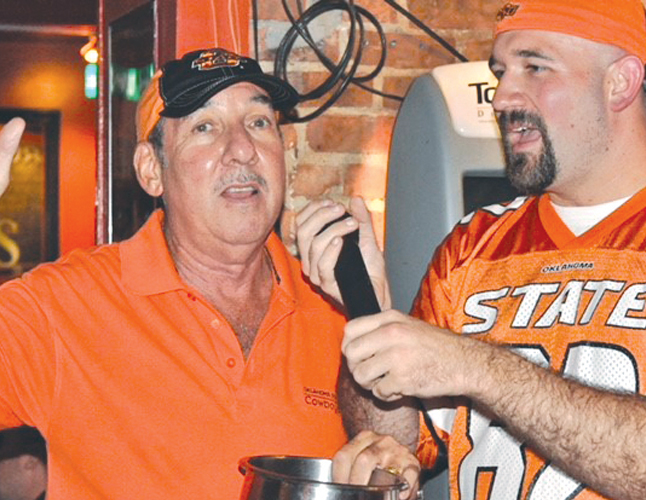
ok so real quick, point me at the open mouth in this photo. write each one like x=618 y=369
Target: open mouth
x=240 y=191
x=520 y=129
x=520 y=135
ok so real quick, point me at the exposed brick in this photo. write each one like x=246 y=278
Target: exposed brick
x=358 y=128
x=353 y=96
x=407 y=51
x=272 y=34
x=396 y=86
x=380 y=9
x=478 y=50
x=315 y=181
x=290 y=138
x=350 y=134
x=270 y=10
x=367 y=180
x=455 y=14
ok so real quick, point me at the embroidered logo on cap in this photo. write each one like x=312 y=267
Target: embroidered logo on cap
x=507 y=10
x=214 y=59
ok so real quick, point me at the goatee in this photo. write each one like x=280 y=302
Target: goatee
x=528 y=173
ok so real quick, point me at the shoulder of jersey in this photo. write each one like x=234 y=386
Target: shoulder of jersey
x=487 y=220
x=491 y=214
x=496 y=211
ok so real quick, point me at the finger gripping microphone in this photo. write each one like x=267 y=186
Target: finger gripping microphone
x=352 y=277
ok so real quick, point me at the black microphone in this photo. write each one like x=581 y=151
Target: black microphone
x=352 y=277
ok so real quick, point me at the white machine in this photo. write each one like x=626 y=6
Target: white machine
x=445 y=161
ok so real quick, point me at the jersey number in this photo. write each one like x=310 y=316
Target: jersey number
x=495 y=468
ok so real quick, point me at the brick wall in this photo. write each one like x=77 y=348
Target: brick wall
x=344 y=152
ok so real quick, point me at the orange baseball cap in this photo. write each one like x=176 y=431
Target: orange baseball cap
x=149 y=107
x=615 y=22
x=183 y=85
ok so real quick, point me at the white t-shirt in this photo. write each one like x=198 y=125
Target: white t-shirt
x=580 y=219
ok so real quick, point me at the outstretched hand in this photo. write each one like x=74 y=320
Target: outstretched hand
x=9 y=141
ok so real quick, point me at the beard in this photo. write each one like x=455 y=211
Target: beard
x=528 y=173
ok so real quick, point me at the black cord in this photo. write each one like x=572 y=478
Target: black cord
x=426 y=30
x=343 y=72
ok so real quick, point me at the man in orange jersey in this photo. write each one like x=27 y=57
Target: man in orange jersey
x=527 y=344
x=154 y=365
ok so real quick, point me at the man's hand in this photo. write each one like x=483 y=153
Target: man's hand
x=9 y=141
x=354 y=463
x=394 y=355
x=319 y=252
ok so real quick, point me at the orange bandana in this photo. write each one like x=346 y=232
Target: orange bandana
x=615 y=22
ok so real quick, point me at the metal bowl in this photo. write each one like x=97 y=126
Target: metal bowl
x=303 y=478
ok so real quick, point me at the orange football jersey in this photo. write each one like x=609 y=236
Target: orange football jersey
x=516 y=274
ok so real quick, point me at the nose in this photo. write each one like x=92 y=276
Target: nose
x=240 y=147
x=509 y=94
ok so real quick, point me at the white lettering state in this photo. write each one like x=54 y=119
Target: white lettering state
x=488 y=314
x=565 y=306
x=599 y=288
x=531 y=296
x=630 y=301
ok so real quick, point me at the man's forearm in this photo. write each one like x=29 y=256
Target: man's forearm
x=596 y=437
x=361 y=411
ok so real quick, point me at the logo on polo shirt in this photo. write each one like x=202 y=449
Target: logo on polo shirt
x=320 y=398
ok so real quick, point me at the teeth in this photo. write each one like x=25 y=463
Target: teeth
x=240 y=189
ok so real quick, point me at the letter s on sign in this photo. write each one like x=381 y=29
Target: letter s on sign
x=11 y=247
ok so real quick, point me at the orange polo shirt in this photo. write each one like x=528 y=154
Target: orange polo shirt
x=140 y=386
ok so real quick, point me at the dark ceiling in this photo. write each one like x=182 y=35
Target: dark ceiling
x=49 y=12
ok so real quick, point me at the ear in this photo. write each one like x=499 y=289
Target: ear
x=148 y=169
x=626 y=79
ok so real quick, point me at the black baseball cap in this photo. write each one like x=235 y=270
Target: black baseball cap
x=187 y=83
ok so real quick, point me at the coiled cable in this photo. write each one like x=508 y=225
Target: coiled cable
x=343 y=72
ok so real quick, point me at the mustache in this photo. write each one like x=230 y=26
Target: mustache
x=240 y=177
x=520 y=116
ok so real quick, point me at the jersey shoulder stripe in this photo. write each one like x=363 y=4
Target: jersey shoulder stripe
x=497 y=210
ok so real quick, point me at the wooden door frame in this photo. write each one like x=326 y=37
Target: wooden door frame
x=165 y=12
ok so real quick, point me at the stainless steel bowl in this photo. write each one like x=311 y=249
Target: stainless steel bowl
x=302 y=478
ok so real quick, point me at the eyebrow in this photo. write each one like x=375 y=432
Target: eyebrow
x=263 y=99
x=533 y=53
x=524 y=53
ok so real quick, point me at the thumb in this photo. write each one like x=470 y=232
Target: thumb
x=371 y=252
x=359 y=210
x=9 y=141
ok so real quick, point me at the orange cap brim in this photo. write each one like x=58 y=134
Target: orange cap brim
x=149 y=108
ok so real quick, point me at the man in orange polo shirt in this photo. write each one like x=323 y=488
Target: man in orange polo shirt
x=528 y=341
x=153 y=365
